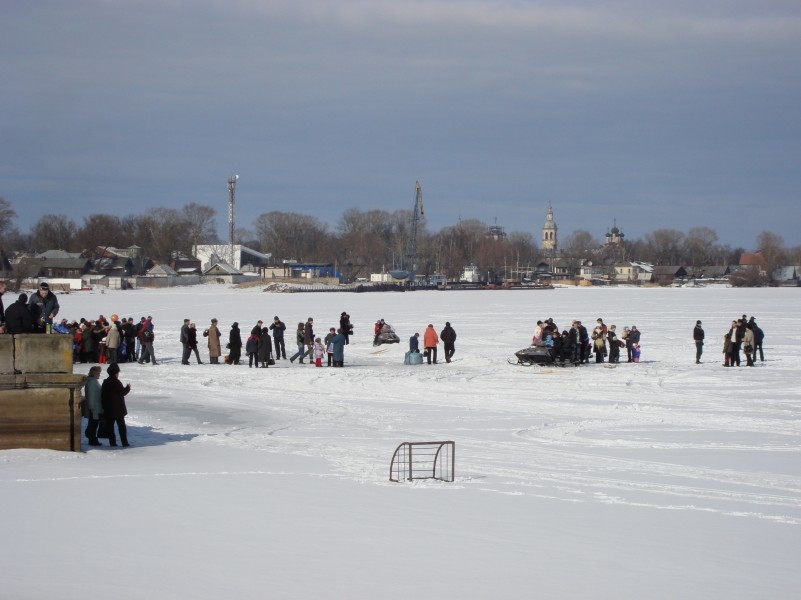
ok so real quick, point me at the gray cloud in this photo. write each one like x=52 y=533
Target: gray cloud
x=659 y=116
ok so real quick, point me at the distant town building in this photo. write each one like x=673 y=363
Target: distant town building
x=470 y=274
x=614 y=237
x=209 y=254
x=496 y=232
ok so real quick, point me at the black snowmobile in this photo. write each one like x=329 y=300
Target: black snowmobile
x=534 y=355
x=387 y=335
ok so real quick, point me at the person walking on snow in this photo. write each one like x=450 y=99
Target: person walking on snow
x=448 y=337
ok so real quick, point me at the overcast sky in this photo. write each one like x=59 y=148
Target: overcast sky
x=658 y=114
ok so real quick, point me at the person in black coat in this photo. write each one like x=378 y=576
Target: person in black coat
x=345 y=326
x=18 y=316
x=759 y=336
x=278 y=327
x=698 y=336
x=574 y=344
x=614 y=346
x=584 y=338
x=265 y=348
x=112 y=395
x=235 y=344
x=191 y=342
x=448 y=337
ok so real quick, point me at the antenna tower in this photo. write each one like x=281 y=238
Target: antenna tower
x=231 y=191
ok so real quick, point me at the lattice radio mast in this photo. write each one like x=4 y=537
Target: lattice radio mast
x=231 y=191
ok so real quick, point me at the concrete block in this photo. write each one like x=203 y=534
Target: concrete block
x=40 y=418
x=6 y=354
x=43 y=353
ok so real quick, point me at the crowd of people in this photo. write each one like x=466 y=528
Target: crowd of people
x=742 y=335
x=119 y=340
x=577 y=345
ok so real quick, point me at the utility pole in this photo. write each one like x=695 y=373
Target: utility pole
x=231 y=191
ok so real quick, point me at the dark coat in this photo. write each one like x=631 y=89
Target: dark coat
x=191 y=337
x=235 y=339
x=265 y=346
x=18 y=318
x=447 y=335
x=278 y=328
x=308 y=333
x=42 y=308
x=112 y=395
x=252 y=345
x=698 y=333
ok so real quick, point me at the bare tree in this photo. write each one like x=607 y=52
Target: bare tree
x=580 y=244
x=368 y=240
x=102 y=231
x=292 y=236
x=7 y=216
x=773 y=251
x=700 y=246
x=160 y=232
x=200 y=224
x=666 y=245
x=55 y=232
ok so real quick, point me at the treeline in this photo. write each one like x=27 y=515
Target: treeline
x=364 y=242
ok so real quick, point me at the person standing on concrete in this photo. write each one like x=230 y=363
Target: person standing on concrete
x=18 y=316
x=94 y=405
x=448 y=337
x=698 y=336
x=44 y=308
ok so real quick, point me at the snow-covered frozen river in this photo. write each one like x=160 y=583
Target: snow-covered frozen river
x=662 y=479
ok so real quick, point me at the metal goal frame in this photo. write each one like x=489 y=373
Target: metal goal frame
x=423 y=460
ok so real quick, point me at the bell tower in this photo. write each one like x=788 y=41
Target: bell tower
x=549 y=230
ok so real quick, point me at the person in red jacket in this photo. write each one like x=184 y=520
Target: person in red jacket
x=430 y=341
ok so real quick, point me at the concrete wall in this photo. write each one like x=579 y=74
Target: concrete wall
x=39 y=395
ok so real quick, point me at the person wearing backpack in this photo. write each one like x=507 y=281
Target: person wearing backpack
x=252 y=349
